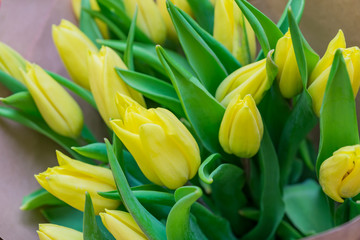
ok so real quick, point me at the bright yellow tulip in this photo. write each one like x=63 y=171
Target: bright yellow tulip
x=163 y=148
x=339 y=175
x=288 y=77
x=57 y=107
x=233 y=30
x=11 y=62
x=73 y=47
x=241 y=129
x=122 y=225
x=251 y=79
x=56 y=232
x=149 y=19
x=72 y=179
x=105 y=83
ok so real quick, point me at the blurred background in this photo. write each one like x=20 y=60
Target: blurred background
x=26 y=26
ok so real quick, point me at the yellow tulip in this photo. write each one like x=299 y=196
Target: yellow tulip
x=76 y=4
x=11 y=62
x=288 y=77
x=72 y=179
x=73 y=47
x=56 y=232
x=233 y=30
x=321 y=72
x=182 y=4
x=241 y=129
x=149 y=19
x=122 y=225
x=57 y=107
x=339 y=175
x=105 y=83
x=251 y=79
x=163 y=148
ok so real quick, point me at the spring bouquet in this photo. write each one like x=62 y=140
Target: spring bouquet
x=207 y=136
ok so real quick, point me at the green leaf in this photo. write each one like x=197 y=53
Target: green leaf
x=271 y=203
x=338 y=109
x=307 y=208
x=87 y=24
x=39 y=198
x=154 y=89
x=64 y=216
x=196 y=102
x=203 y=60
x=297 y=6
x=95 y=151
x=207 y=168
x=148 y=223
x=22 y=101
x=11 y=83
x=128 y=54
x=90 y=228
x=178 y=225
x=265 y=30
x=203 y=12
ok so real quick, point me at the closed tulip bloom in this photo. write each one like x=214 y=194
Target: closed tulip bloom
x=149 y=19
x=11 y=62
x=162 y=146
x=72 y=179
x=57 y=107
x=233 y=30
x=182 y=4
x=288 y=76
x=56 y=232
x=241 y=129
x=73 y=47
x=122 y=225
x=321 y=72
x=251 y=79
x=105 y=83
x=339 y=175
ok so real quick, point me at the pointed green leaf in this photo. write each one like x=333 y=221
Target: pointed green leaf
x=196 y=102
x=207 y=167
x=128 y=54
x=22 y=101
x=39 y=198
x=90 y=228
x=203 y=60
x=338 y=109
x=204 y=13
x=88 y=24
x=297 y=6
x=95 y=151
x=11 y=83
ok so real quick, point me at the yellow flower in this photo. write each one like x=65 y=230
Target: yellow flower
x=339 y=175
x=55 y=232
x=105 y=83
x=251 y=79
x=163 y=148
x=241 y=129
x=149 y=19
x=321 y=72
x=122 y=225
x=72 y=179
x=182 y=4
x=11 y=62
x=57 y=107
x=73 y=47
x=233 y=30
x=76 y=4
x=288 y=77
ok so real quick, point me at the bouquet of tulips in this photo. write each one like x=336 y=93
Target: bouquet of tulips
x=207 y=137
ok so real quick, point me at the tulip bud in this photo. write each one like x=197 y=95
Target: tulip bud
x=149 y=19
x=163 y=148
x=73 y=47
x=339 y=175
x=233 y=30
x=55 y=232
x=321 y=72
x=241 y=129
x=288 y=76
x=121 y=225
x=182 y=4
x=105 y=83
x=72 y=179
x=251 y=79
x=11 y=62
x=57 y=107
